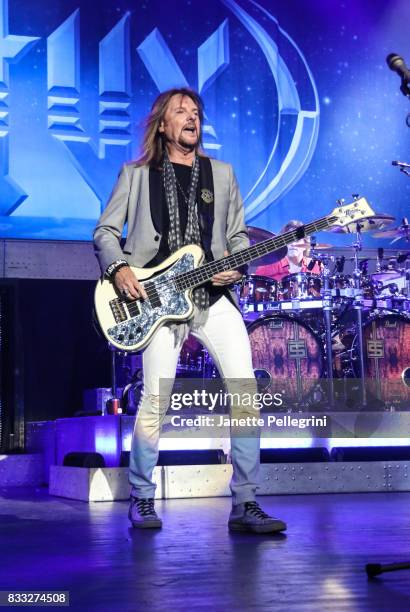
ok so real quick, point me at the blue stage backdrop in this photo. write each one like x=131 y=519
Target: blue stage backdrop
x=298 y=98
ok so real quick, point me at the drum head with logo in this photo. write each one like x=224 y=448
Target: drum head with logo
x=291 y=353
x=386 y=340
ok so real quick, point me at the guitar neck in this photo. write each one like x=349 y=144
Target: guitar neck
x=204 y=273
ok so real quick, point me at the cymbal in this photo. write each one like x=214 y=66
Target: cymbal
x=377 y=222
x=362 y=258
x=386 y=275
x=321 y=247
x=257 y=234
x=403 y=231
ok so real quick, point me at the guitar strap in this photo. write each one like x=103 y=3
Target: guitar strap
x=206 y=205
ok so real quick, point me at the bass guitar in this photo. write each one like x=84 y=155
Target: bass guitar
x=129 y=324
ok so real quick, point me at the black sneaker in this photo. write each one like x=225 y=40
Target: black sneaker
x=142 y=514
x=250 y=517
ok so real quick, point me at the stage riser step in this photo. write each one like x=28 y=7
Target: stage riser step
x=182 y=481
x=111 y=436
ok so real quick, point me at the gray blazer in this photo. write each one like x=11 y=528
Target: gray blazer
x=130 y=202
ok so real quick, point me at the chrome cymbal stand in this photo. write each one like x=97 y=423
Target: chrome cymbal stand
x=327 y=316
x=358 y=306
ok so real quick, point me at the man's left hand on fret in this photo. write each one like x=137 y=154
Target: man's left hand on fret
x=226 y=278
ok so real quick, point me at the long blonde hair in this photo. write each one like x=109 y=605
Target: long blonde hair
x=153 y=142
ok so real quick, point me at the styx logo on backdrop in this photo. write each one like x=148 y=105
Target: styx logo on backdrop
x=98 y=159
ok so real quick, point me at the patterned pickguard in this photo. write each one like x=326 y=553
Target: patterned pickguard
x=136 y=328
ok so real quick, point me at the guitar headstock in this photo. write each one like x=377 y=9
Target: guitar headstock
x=350 y=214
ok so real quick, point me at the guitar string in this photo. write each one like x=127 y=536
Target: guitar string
x=244 y=255
x=247 y=254
x=259 y=249
x=212 y=267
x=202 y=273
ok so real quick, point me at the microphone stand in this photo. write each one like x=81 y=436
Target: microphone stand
x=405 y=90
x=405 y=87
x=375 y=569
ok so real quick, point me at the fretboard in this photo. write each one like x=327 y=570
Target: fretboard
x=204 y=273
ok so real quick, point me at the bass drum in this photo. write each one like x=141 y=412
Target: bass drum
x=289 y=356
x=386 y=341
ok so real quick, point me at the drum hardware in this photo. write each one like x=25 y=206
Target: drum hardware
x=363 y=266
x=387 y=275
x=314 y=247
x=327 y=317
x=352 y=258
x=392 y=280
x=379 y=221
x=321 y=246
x=263 y=379
x=408 y=284
x=396 y=233
x=295 y=305
x=341 y=284
x=380 y=253
x=388 y=289
x=339 y=265
x=391 y=270
x=393 y=289
x=358 y=306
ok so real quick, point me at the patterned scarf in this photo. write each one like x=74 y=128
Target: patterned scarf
x=192 y=232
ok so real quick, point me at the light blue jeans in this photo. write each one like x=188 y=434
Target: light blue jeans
x=225 y=337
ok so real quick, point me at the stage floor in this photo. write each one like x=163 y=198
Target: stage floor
x=51 y=543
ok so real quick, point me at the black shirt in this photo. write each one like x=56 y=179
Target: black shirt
x=183 y=177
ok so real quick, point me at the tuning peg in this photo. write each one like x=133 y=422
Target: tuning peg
x=355 y=196
x=341 y=201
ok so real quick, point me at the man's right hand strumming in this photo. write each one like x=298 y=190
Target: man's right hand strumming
x=128 y=284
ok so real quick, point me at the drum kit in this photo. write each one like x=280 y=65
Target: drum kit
x=333 y=338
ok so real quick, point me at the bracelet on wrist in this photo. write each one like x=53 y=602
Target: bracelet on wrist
x=115 y=266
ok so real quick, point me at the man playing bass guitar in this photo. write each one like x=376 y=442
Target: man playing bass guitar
x=172 y=196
